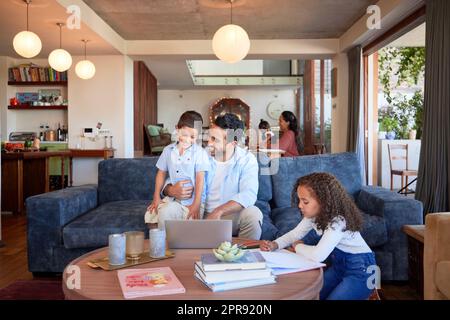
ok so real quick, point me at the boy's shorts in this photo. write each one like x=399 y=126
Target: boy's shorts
x=152 y=217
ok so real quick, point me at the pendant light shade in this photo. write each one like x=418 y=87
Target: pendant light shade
x=60 y=59
x=85 y=69
x=231 y=42
x=26 y=43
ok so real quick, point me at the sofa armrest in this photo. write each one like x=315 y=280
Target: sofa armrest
x=397 y=210
x=47 y=214
x=436 y=252
x=58 y=208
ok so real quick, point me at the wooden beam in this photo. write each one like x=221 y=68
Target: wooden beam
x=404 y=26
x=375 y=120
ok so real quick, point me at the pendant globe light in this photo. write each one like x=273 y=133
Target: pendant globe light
x=85 y=69
x=60 y=59
x=27 y=43
x=231 y=42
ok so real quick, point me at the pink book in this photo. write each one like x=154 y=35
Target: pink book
x=136 y=283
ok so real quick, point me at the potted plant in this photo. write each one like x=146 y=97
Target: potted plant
x=388 y=123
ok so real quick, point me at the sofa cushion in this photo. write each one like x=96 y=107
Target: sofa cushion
x=285 y=219
x=265 y=183
x=93 y=228
x=344 y=166
x=269 y=231
x=374 y=228
x=126 y=179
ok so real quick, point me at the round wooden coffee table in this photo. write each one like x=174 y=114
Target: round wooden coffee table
x=98 y=284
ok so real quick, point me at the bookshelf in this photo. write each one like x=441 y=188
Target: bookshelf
x=37 y=108
x=38 y=83
x=35 y=79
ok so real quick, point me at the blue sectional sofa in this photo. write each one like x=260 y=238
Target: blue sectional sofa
x=65 y=224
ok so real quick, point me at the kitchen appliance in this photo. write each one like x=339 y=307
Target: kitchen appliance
x=50 y=135
x=22 y=136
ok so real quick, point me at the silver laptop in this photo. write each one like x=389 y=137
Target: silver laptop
x=197 y=234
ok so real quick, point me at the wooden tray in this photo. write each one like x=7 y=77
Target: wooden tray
x=103 y=263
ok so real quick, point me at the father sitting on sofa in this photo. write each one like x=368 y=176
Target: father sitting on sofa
x=231 y=184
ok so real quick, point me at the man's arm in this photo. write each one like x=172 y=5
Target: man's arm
x=178 y=190
x=225 y=209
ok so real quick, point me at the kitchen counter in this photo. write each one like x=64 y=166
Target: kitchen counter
x=25 y=174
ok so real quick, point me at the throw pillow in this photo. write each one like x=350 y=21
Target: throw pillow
x=154 y=130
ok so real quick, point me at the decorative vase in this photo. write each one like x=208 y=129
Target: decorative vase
x=390 y=135
x=412 y=135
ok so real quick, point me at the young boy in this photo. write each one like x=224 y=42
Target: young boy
x=182 y=160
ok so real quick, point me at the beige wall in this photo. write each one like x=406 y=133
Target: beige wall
x=339 y=112
x=172 y=103
x=106 y=99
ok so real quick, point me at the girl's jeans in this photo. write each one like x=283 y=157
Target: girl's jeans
x=348 y=278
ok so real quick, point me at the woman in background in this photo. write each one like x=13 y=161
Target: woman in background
x=289 y=134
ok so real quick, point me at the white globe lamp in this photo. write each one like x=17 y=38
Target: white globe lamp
x=85 y=69
x=231 y=43
x=60 y=60
x=26 y=43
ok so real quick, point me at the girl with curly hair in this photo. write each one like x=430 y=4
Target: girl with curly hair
x=329 y=210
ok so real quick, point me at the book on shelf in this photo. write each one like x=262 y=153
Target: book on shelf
x=34 y=73
x=137 y=283
x=232 y=285
x=212 y=277
x=250 y=260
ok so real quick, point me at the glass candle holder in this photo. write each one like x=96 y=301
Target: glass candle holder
x=135 y=244
x=116 y=250
x=157 y=243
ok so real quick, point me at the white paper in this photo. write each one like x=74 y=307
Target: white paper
x=284 y=259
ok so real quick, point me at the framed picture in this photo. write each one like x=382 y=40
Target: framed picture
x=49 y=95
x=27 y=97
x=334 y=82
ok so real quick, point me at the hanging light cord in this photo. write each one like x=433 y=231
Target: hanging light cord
x=60 y=36
x=28 y=4
x=85 y=41
x=231 y=1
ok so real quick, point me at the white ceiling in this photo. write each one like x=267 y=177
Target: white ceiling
x=414 y=38
x=44 y=14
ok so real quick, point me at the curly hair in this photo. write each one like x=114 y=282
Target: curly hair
x=333 y=200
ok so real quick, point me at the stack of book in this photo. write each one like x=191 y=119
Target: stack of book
x=34 y=73
x=249 y=271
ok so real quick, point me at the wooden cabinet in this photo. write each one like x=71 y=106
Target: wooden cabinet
x=415 y=256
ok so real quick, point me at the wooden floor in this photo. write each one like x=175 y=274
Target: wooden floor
x=13 y=260
x=13 y=256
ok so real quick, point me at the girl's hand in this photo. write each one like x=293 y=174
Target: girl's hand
x=154 y=205
x=194 y=212
x=268 y=246
x=292 y=248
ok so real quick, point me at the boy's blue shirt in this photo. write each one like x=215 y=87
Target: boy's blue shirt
x=184 y=167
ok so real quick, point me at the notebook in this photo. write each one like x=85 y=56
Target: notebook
x=136 y=283
x=211 y=277
x=250 y=260
x=225 y=286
